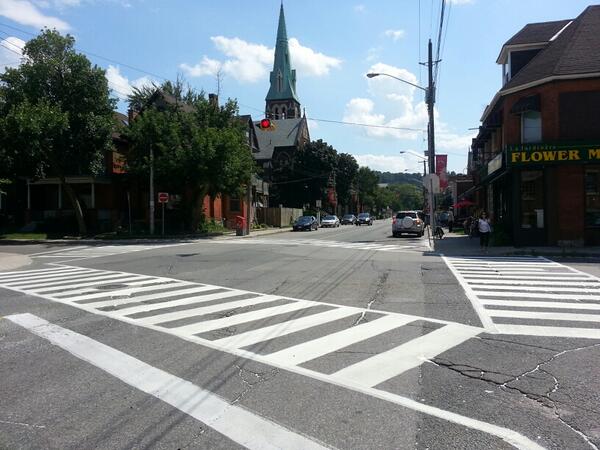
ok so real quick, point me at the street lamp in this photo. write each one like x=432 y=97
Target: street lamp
x=377 y=74
x=418 y=156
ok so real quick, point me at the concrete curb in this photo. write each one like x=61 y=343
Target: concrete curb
x=11 y=261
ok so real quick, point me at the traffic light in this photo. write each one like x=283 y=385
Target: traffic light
x=266 y=125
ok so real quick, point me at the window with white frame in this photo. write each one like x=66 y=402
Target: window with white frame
x=531 y=127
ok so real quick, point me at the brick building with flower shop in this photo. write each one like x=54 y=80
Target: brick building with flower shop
x=536 y=158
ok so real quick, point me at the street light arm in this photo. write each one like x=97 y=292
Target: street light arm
x=414 y=154
x=374 y=74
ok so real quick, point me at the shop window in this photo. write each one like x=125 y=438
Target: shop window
x=532 y=199
x=531 y=127
x=234 y=204
x=592 y=198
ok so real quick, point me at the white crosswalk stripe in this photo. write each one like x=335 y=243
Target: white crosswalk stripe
x=93 y=251
x=530 y=295
x=233 y=320
x=413 y=246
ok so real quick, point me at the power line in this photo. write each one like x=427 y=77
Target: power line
x=137 y=69
x=365 y=125
x=10 y=49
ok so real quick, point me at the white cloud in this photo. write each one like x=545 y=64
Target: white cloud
x=11 y=50
x=309 y=62
x=26 y=13
x=461 y=2
x=401 y=109
x=121 y=86
x=249 y=62
x=313 y=125
x=394 y=34
x=384 y=163
x=360 y=8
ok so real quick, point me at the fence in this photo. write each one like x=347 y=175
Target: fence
x=277 y=217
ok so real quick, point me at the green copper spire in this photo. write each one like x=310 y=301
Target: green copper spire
x=283 y=77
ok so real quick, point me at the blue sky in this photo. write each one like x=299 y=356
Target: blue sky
x=333 y=44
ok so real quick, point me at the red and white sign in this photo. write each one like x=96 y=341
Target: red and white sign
x=163 y=197
x=441 y=162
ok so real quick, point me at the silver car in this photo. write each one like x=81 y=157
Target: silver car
x=330 y=221
x=409 y=222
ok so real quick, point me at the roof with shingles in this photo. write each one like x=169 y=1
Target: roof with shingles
x=537 y=32
x=576 y=51
x=286 y=133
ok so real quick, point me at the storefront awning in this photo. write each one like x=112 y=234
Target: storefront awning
x=531 y=103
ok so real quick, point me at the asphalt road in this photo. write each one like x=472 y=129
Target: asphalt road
x=339 y=338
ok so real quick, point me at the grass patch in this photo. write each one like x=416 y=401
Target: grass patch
x=23 y=236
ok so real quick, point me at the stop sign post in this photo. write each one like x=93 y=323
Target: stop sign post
x=163 y=197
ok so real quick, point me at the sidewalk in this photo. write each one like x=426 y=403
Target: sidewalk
x=459 y=244
x=12 y=261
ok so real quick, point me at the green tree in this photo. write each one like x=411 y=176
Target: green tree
x=367 y=181
x=346 y=173
x=198 y=148
x=308 y=176
x=56 y=115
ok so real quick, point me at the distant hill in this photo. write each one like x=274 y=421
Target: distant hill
x=399 y=178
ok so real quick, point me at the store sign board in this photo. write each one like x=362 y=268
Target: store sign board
x=552 y=154
x=494 y=164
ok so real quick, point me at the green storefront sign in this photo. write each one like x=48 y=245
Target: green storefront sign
x=519 y=155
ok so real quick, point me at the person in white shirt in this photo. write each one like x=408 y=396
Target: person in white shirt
x=485 y=229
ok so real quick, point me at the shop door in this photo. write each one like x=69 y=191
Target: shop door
x=531 y=217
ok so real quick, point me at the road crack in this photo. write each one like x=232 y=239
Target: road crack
x=509 y=385
x=378 y=290
x=251 y=379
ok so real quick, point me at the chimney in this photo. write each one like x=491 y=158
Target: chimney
x=213 y=99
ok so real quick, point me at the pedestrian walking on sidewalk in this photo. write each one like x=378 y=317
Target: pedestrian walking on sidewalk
x=450 y=220
x=485 y=229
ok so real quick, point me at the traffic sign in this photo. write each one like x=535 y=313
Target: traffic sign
x=163 y=197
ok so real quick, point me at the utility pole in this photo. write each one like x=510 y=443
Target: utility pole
x=431 y=134
x=430 y=103
x=151 y=191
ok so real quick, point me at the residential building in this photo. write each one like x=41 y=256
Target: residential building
x=536 y=158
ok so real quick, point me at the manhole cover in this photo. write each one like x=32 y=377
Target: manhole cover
x=111 y=287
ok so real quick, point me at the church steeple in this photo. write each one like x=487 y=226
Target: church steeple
x=282 y=101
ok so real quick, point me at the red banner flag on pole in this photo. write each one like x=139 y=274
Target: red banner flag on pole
x=441 y=162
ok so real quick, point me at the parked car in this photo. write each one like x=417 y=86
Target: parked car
x=408 y=222
x=348 y=219
x=306 y=223
x=330 y=221
x=364 y=219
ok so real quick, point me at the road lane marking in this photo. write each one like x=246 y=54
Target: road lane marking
x=330 y=343
x=384 y=366
x=236 y=423
x=96 y=353
x=556 y=286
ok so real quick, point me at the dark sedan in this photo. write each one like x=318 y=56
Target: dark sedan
x=364 y=219
x=348 y=219
x=308 y=223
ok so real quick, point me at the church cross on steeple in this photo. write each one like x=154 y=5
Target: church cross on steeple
x=282 y=100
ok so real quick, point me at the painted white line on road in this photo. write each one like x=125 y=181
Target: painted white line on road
x=62 y=284
x=518 y=283
x=549 y=276
x=544 y=295
x=101 y=296
x=503 y=287
x=536 y=330
x=383 y=366
x=14 y=278
x=234 y=422
x=541 y=304
x=170 y=303
x=540 y=315
x=216 y=324
x=284 y=328
x=114 y=279
x=307 y=351
x=202 y=310
x=486 y=320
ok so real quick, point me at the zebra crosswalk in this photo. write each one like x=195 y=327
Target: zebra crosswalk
x=90 y=251
x=417 y=245
x=530 y=295
x=284 y=332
